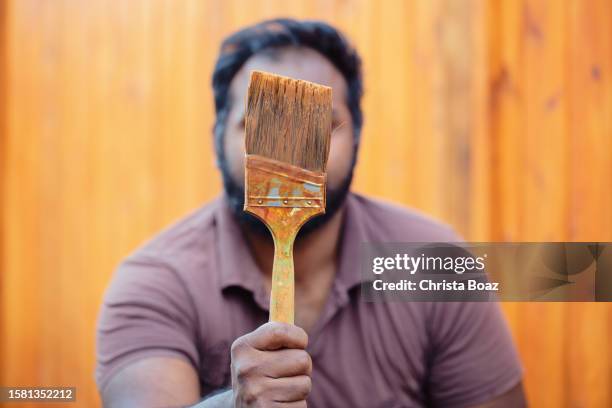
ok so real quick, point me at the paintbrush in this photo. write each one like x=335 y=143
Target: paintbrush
x=288 y=127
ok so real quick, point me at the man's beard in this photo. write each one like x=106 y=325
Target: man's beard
x=234 y=192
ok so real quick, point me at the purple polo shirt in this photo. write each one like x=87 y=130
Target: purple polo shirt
x=193 y=289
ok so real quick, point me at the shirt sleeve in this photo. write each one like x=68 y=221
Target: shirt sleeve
x=474 y=359
x=146 y=312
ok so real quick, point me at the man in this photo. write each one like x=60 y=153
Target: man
x=185 y=317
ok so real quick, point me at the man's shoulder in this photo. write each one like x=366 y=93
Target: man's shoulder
x=387 y=221
x=182 y=240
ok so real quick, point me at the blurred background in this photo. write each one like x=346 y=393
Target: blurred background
x=494 y=116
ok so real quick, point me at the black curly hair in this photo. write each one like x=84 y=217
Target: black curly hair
x=270 y=34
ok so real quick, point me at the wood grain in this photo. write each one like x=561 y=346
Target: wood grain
x=495 y=117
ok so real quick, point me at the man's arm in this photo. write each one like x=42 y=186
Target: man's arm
x=153 y=382
x=160 y=382
x=270 y=368
x=147 y=339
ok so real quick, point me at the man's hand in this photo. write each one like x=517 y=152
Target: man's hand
x=270 y=367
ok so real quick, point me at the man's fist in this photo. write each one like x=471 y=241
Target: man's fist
x=270 y=367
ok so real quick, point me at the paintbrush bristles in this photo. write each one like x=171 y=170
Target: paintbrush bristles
x=288 y=120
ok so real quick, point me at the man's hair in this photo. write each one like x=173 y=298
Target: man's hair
x=268 y=35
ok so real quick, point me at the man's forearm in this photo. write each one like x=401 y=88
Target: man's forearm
x=219 y=400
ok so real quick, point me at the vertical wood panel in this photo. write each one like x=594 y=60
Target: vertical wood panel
x=493 y=116
x=505 y=125
x=506 y=122
x=589 y=64
x=544 y=191
x=3 y=156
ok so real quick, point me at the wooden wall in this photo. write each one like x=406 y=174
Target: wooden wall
x=495 y=116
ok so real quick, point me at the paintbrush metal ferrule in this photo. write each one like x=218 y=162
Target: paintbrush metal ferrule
x=271 y=183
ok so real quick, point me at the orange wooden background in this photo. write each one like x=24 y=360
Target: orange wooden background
x=495 y=116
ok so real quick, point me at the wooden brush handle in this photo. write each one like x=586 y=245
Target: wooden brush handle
x=284 y=223
x=282 y=297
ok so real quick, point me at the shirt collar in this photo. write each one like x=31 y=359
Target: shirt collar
x=353 y=234
x=238 y=267
x=236 y=263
